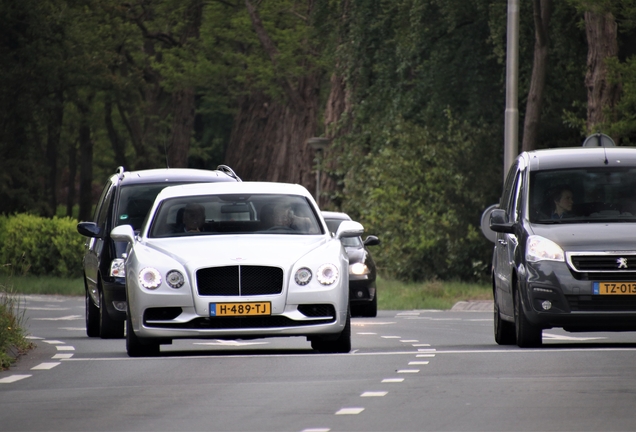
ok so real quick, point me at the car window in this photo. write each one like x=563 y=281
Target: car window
x=508 y=187
x=104 y=204
x=235 y=214
x=135 y=202
x=583 y=195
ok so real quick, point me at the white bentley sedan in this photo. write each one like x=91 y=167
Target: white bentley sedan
x=236 y=261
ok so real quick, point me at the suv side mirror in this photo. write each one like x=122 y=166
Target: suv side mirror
x=89 y=229
x=499 y=222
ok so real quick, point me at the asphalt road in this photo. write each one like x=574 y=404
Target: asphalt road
x=409 y=371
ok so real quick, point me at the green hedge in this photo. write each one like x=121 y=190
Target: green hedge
x=39 y=246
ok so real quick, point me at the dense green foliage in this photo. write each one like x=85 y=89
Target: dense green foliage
x=40 y=246
x=416 y=152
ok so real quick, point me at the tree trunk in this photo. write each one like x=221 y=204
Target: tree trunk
x=542 y=13
x=183 y=100
x=269 y=139
x=86 y=163
x=54 y=130
x=72 y=173
x=602 y=41
x=115 y=140
x=338 y=108
x=182 y=128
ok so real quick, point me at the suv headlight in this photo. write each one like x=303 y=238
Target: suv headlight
x=541 y=249
x=117 y=268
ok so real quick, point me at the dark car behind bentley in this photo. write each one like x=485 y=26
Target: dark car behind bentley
x=362 y=272
x=125 y=200
x=565 y=247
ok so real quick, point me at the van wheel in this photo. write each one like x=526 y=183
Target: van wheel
x=528 y=335
x=504 y=330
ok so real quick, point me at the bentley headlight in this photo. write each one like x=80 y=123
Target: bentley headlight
x=327 y=274
x=541 y=249
x=302 y=276
x=175 y=279
x=358 y=269
x=117 y=268
x=149 y=278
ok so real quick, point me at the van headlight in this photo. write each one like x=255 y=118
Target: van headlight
x=541 y=249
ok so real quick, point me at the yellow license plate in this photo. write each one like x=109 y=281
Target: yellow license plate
x=240 y=309
x=615 y=288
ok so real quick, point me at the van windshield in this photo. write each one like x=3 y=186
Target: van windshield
x=583 y=195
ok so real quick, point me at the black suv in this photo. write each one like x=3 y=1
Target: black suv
x=126 y=199
x=564 y=254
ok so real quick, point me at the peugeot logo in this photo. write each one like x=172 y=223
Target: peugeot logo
x=622 y=263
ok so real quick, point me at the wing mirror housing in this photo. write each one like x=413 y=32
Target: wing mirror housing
x=89 y=229
x=371 y=241
x=349 y=229
x=499 y=222
x=123 y=233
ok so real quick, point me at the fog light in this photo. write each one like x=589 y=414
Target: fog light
x=360 y=294
x=546 y=305
x=120 y=306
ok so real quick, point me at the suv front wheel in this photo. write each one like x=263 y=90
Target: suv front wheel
x=108 y=327
x=92 y=316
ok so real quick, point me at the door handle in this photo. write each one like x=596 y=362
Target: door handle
x=502 y=242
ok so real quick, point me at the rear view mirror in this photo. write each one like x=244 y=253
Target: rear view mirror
x=499 y=222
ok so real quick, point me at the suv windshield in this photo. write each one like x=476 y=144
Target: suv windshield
x=234 y=214
x=135 y=202
x=583 y=195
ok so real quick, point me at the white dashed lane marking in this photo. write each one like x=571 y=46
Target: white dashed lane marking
x=408 y=371
x=65 y=348
x=374 y=394
x=45 y=366
x=62 y=356
x=348 y=411
x=13 y=378
x=413 y=363
x=390 y=337
x=393 y=380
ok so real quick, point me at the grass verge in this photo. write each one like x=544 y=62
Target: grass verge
x=13 y=340
x=44 y=285
x=394 y=295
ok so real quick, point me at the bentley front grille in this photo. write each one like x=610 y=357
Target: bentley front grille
x=239 y=281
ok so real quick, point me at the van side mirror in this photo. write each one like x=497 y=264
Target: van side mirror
x=499 y=222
